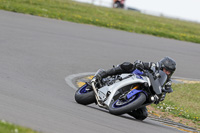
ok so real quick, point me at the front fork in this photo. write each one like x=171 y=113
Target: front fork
x=99 y=101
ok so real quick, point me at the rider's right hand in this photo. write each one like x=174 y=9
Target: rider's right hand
x=156 y=101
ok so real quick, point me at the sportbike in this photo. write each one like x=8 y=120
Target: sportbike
x=123 y=93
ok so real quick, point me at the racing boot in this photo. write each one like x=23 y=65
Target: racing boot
x=139 y=114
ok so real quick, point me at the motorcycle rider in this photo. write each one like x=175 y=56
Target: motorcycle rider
x=167 y=65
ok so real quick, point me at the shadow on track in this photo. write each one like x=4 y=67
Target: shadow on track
x=147 y=121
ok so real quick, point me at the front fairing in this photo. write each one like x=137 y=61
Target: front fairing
x=158 y=82
x=163 y=78
x=113 y=89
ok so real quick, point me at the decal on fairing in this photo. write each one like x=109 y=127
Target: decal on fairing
x=138 y=73
x=132 y=93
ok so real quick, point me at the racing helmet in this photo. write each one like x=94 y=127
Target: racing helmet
x=169 y=64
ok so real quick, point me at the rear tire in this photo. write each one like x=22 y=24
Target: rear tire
x=139 y=99
x=84 y=97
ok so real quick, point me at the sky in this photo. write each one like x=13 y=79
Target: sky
x=183 y=9
x=180 y=9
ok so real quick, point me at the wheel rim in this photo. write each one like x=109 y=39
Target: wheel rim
x=83 y=89
x=119 y=103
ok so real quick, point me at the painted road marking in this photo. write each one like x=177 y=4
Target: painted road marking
x=69 y=79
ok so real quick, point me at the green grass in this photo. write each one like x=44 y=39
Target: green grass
x=6 y=127
x=106 y=17
x=183 y=102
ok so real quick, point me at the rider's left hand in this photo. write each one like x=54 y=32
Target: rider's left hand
x=139 y=66
x=98 y=77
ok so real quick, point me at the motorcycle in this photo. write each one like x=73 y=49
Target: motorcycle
x=123 y=93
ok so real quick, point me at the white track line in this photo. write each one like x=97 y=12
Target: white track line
x=69 y=79
x=191 y=79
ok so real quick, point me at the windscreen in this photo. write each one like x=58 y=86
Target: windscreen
x=163 y=78
x=158 y=83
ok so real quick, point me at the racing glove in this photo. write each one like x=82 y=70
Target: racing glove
x=156 y=101
x=139 y=65
x=168 y=87
x=163 y=97
x=145 y=65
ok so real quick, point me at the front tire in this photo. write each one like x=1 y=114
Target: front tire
x=117 y=109
x=84 y=95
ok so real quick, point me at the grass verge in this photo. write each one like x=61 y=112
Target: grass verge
x=106 y=17
x=183 y=103
x=6 y=127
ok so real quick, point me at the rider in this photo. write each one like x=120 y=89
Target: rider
x=167 y=65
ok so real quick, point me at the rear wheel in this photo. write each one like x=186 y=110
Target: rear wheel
x=119 y=107
x=85 y=95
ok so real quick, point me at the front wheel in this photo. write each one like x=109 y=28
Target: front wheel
x=119 y=107
x=85 y=95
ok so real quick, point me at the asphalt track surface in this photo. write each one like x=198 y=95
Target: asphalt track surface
x=36 y=54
